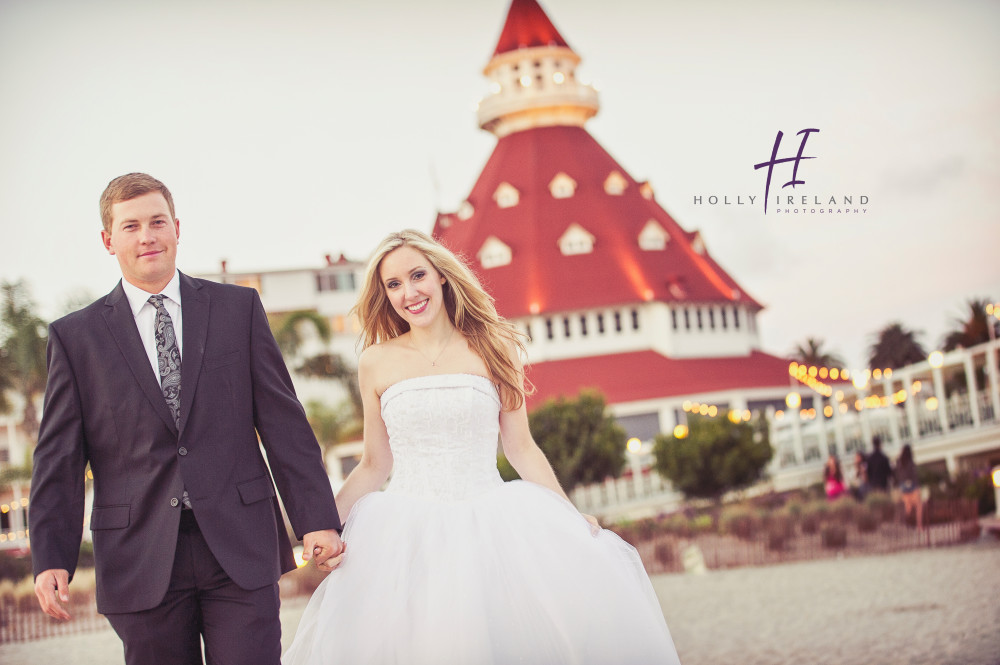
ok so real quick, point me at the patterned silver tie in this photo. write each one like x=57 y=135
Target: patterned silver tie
x=168 y=362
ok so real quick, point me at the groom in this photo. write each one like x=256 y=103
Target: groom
x=164 y=387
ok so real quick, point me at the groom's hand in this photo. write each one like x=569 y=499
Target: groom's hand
x=323 y=547
x=52 y=589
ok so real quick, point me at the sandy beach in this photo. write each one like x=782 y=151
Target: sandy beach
x=925 y=607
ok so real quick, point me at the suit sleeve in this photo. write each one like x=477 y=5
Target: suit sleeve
x=57 y=482
x=292 y=451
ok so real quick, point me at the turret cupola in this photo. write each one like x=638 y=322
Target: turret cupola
x=532 y=77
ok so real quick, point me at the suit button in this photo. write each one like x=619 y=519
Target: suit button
x=182 y=451
x=175 y=502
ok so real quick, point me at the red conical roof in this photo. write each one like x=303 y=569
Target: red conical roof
x=617 y=271
x=527 y=26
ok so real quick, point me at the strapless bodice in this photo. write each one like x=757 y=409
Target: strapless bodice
x=443 y=432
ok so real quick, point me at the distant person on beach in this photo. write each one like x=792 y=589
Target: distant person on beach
x=909 y=487
x=859 y=486
x=833 y=478
x=879 y=469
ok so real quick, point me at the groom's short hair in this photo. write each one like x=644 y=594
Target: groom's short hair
x=128 y=187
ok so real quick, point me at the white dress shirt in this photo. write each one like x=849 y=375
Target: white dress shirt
x=145 y=316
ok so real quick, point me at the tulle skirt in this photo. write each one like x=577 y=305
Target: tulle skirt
x=511 y=575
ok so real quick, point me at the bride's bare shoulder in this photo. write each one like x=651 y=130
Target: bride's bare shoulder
x=376 y=360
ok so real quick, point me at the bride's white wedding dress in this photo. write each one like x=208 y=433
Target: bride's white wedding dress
x=452 y=565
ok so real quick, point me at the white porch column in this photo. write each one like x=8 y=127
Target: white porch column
x=817 y=404
x=942 y=400
x=911 y=407
x=838 y=423
x=991 y=366
x=800 y=455
x=892 y=415
x=970 y=382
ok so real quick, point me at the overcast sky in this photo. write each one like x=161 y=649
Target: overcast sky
x=290 y=130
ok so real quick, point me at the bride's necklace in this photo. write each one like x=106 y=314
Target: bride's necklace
x=438 y=356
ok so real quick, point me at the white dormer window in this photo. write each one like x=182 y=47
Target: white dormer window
x=494 y=253
x=562 y=186
x=646 y=190
x=576 y=240
x=615 y=184
x=697 y=244
x=653 y=236
x=506 y=196
x=465 y=211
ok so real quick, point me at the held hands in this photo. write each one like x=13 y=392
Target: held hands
x=52 y=590
x=324 y=547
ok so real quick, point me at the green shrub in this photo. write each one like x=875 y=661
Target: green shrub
x=86 y=559
x=833 y=536
x=866 y=519
x=702 y=523
x=814 y=514
x=740 y=521
x=794 y=509
x=843 y=509
x=678 y=524
x=664 y=554
x=645 y=529
x=881 y=504
x=14 y=568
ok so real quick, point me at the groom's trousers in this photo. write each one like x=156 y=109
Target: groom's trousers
x=239 y=627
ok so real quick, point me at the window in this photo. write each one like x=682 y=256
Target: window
x=465 y=211
x=565 y=326
x=697 y=244
x=562 y=186
x=576 y=240
x=583 y=325
x=687 y=319
x=722 y=312
x=615 y=184
x=494 y=253
x=673 y=318
x=618 y=322
x=600 y=324
x=697 y=314
x=527 y=331
x=635 y=319
x=335 y=281
x=711 y=318
x=736 y=318
x=506 y=195
x=653 y=237
x=548 y=329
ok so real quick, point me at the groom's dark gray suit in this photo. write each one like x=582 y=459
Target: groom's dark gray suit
x=103 y=406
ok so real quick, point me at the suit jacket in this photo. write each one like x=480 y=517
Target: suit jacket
x=103 y=405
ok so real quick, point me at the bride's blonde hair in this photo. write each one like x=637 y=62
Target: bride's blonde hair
x=469 y=307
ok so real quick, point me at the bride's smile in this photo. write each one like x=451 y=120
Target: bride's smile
x=413 y=286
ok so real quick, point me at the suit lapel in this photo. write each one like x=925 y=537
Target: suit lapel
x=121 y=322
x=195 y=302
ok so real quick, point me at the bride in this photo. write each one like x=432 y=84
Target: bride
x=450 y=564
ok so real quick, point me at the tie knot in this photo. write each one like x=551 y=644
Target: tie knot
x=156 y=301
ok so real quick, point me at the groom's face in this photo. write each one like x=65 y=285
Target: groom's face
x=143 y=238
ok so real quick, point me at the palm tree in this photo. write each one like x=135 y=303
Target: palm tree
x=812 y=353
x=895 y=347
x=287 y=329
x=22 y=351
x=972 y=330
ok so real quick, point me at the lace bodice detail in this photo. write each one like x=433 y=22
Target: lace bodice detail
x=443 y=432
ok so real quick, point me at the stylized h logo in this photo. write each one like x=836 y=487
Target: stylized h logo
x=774 y=160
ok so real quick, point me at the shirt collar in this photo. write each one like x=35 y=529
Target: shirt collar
x=137 y=298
